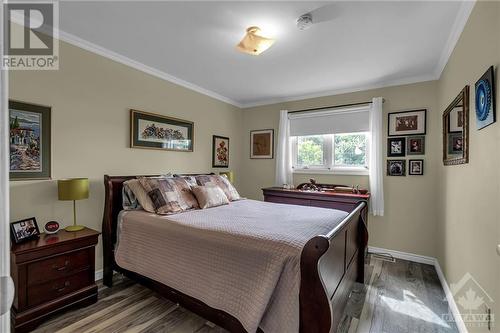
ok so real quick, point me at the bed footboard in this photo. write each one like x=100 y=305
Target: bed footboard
x=330 y=264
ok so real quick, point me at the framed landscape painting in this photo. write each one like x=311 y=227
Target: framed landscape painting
x=29 y=141
x=407 y=123
x=262 y=144
x=220 y=152
x=154 y=131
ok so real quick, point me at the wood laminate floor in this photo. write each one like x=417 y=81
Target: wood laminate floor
x=401 y=297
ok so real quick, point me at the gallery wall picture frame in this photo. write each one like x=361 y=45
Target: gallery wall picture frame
x=262 y=144
x=405 y=123
x=456 y=119
x=416 y=167
x=415 y=145
x=24 y=230
x=220 y=151
x=30 y=141
x=396 y=168
x=485 y=99
x=155 y=131
x=396 y=147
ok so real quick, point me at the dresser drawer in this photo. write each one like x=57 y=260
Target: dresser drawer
x=287 y=200
x=58 y=267
x=53 y=289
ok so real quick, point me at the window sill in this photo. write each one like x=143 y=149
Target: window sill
x=336 y=171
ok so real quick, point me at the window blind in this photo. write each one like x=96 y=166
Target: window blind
x=330 y=121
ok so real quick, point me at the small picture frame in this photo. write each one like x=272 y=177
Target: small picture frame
x=455 y=144
x=220 y=152
x=24 y=230
x=416 y=167
x=262 y=144
x=407 y=123
x=396 y=147
x=396 y=167
x=415 y=145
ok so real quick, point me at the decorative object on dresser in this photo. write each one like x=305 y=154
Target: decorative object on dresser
x=456 y=144
x=220 y=152
x=396 y=147
x=262 y=144
x=415 y=145
x=24 y=230
x=396 y=167
x=228 y=174
x=154 y=131
x=407 y=123
x=29 y=141
x=416 y=167
x=51 y=227
x=485 y=99
x=50 y=274
x=73 y=189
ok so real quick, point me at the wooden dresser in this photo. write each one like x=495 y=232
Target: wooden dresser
x=52 y=273
x=341 y=201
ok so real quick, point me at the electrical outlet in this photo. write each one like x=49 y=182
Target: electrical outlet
x=498 y=249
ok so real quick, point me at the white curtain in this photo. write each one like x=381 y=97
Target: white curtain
x=284 y=152
x=376 y=158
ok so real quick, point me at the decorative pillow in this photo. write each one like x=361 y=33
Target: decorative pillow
x=129 y=200
x=169 y=195
x=221 y=182
x=191 y=180
x=209 y=196
x=140 y=195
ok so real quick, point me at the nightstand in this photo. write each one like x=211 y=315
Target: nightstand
x=52 y=273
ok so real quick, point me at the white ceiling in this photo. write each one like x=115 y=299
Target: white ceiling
x=352 y=45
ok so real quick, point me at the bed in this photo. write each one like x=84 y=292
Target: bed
x=321 y=252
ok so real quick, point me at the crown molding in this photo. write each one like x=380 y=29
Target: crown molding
x=102 y=51
x=456 y=31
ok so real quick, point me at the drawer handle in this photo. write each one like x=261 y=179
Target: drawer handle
x=66 y=284
x=62 y=268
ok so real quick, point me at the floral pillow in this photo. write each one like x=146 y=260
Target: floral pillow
x=221 y=182
x=169 y=195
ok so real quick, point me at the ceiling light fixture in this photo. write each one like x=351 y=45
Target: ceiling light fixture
x=254 y=43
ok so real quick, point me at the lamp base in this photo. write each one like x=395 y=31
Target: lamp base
x=74 y=228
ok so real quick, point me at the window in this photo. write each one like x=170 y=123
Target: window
x=336 y=153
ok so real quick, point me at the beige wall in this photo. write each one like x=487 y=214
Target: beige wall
x=469 y=228
x=90 y=98
x=410 y=217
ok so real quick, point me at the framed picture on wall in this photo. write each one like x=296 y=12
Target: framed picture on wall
x=262 y=144
x=396 y=147
x=396 y=167
x=416 y=167
x=29 y=139
x=407 y=123
x=154 y=131
x=220 y=152
x=415 y=145
x=485 y=100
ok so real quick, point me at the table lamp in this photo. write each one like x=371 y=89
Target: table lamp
x=73 y=189
x=228 y=174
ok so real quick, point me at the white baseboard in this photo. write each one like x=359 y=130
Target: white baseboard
x=98 y=274
x=434 y=262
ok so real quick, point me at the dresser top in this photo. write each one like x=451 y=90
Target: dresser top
x=51 y=240
x=319 y=193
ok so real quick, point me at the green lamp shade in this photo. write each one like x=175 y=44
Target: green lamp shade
x=73 y=189
x=228 y=174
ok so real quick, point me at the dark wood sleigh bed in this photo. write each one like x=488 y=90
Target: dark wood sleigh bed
x=330 y=264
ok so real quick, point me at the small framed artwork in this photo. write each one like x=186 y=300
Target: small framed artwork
x=455 y=144
x=485 y=100
x=456 y=119
x=154 y=131
x=415 y=145
x=24 y=230
x=407 y=123
x=416 y=167
x=396 y=167
x=220 y=152
x=396 y=147
x=29 y=140
x=262 y=144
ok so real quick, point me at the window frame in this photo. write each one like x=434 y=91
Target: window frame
x=328 y=166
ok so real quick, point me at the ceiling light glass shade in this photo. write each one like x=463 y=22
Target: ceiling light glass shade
x=253 y=43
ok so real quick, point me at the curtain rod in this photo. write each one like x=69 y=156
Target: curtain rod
x=333 y=107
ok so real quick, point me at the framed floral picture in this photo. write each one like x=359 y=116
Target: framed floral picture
x=220 y=152
x=154 y=131
x=262 y=144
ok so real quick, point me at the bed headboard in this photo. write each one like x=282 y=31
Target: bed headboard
x=113 y=204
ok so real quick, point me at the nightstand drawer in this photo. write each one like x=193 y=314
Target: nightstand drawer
x=58 y=267
x=55 y=288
